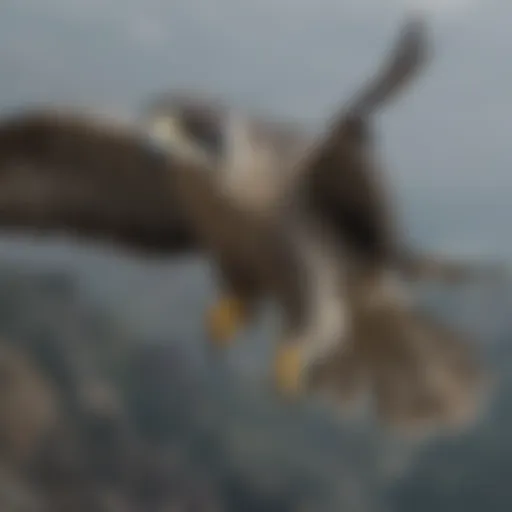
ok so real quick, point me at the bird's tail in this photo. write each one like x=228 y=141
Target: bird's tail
x=417 y=373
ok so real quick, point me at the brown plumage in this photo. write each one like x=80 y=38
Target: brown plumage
x=324 y=222
x=417 y=371
x=344 y=184
x=65 y=171
x=337 y=175
x=72 y=172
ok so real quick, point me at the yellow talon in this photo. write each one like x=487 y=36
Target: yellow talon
x=288 y=370
x=224 y=320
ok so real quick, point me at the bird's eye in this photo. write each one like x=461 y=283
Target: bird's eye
x=205 y=131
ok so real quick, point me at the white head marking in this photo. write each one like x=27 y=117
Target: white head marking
x=168 y=133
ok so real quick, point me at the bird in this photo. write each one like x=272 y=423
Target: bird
x=152 y=188
x=262 y=156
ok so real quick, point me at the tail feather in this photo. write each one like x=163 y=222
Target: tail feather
x=418 y=373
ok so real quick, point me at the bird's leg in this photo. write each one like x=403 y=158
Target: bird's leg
x=288 y=362
x=234 y=308
x=316 y=322
x=288 y=369
x=225 y=318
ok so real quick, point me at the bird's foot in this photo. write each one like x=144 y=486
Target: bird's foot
x=288 y=372
x=224 y=320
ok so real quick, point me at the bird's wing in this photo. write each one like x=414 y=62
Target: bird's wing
x=409 y=55
x=340 y=179
x=86 y=178
x=68 y=172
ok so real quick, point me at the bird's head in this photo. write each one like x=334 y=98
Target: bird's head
x=208 y=131
x=188 y=126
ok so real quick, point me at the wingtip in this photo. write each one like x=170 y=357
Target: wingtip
x=415 y=34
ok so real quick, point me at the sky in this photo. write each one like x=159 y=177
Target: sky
x=445 y=143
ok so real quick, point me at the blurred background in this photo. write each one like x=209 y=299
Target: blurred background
x=207 y=435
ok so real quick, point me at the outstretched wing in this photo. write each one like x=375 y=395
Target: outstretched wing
x=341 y=180
x=72 y=173
x=65 y=172
x=409 y=55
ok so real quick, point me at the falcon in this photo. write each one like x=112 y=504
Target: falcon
x=305 y=237
x=260 y=158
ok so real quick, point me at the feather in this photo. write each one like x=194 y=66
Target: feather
x=64 y=171
x=417 y=372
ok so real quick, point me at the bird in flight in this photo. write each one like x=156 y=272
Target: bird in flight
x=315 y=237
x=261 y=157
